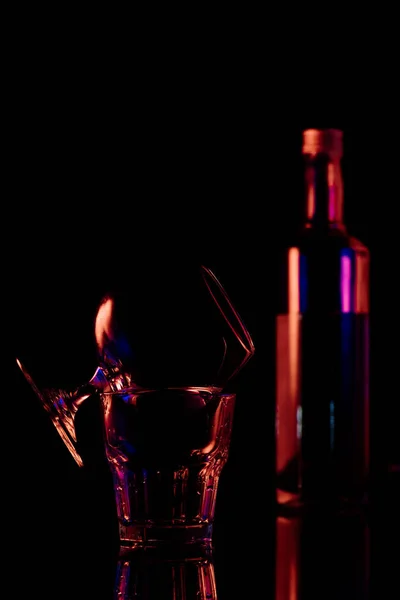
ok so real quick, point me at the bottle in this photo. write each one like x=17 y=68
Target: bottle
x=322 y=346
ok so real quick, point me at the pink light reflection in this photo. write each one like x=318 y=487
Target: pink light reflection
x=294 y=279
x=345 y=283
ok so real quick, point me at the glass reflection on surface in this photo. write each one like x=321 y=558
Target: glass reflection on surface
x=145 y=579
x=322 y=557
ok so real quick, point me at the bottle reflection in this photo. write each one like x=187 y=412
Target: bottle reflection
x=146 y=579
x=322 y=557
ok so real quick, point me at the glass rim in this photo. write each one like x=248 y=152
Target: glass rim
x=191 y=389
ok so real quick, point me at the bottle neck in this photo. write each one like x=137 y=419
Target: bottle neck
x=324 y=192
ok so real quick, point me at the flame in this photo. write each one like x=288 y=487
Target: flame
x=103 y=328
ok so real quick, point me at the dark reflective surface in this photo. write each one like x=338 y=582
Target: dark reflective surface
x=297 y=559
x=315 y=553
x=140 y=577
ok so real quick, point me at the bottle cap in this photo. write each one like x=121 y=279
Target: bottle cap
x=323 y=141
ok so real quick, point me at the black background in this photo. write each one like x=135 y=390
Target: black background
x=211 y=173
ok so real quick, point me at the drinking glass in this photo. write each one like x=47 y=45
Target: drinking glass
x=166 y=349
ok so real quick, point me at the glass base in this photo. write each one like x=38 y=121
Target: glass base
x=190 y=540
